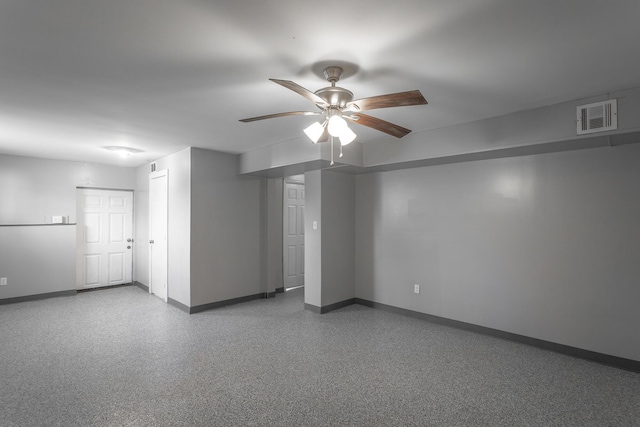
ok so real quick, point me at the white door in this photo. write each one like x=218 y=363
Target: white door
x=105 y=237
x=293 y=256
x=158 y=230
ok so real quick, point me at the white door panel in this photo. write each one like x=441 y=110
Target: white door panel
x=158 y=230
x=92 y=271
x=116 y=268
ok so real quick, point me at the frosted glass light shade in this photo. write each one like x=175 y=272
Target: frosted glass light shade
x=336 y=125
x=347 y=136
x=314 y=132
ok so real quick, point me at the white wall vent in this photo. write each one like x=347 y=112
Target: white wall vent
x=152 y=167
x=598 y=117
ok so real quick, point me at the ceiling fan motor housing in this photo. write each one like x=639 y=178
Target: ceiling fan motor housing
x=335 y=96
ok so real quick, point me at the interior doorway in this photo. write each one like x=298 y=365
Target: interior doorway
x=104 y=238
x=293 y=232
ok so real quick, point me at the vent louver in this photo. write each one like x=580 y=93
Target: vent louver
x=597 y=117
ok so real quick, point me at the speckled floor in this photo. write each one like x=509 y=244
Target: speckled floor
x=121 y=357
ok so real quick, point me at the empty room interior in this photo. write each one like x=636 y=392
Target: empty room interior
x=317 y=214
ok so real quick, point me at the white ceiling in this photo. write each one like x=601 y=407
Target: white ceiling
x=162 y=75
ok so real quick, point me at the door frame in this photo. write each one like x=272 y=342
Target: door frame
x=295 y=179
x=80 y=248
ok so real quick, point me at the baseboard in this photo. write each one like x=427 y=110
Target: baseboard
x=605 y=359
x=280 y=290
x=38 y=297
x=179 y=305
x=330 y=307
x=141 y=286
x=312 y=308
x=218 y=304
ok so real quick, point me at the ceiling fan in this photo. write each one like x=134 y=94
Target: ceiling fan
x=337 y=106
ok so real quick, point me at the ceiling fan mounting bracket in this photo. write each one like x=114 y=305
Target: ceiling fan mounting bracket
x=332 y=74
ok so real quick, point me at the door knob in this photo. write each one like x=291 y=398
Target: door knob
x=129 y=240
x=151 y=241
x=128 y=247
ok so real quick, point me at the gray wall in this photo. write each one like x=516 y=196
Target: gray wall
x=313 y=238
x=329 y=250
x=42 y=259
x=227 y=230
x=546 y=246
x=274 y=224
x=34 y=189
x=338 y=237
x=37 y=260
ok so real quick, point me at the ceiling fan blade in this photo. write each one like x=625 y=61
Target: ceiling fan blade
x=301 y=91
x=400 y=99
x=272 y=116
x=378 y=124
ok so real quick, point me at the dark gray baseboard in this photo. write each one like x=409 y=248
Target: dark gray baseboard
x=280 y=290
x=179 y=305
x=38 y=297
x=141 y=286
x=330 y=307
x=605 y=359
x=218 y=304
x=312 y=308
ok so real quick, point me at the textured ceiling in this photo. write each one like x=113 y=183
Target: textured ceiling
x=162 y=75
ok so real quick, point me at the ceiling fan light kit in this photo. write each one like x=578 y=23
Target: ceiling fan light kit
x=337 y=106
x=315 y=131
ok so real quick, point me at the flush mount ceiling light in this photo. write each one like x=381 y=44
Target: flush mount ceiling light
x=123 y=151
x=337 y=106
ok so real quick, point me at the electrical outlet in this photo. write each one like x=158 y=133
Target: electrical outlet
x=416 y=289
x=3 y=281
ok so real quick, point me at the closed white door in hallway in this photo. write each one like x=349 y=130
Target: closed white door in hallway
x=104 y=237
x=293 y=256
x=158 y=230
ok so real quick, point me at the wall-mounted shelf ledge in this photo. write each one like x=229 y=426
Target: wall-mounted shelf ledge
x=36 y=225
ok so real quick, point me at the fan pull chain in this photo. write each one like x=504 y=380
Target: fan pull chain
x=331 y=150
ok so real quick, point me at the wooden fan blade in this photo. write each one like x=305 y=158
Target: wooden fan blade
x=400 y=99
x=301 y=91
x=378 y=124
x=272 y=116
